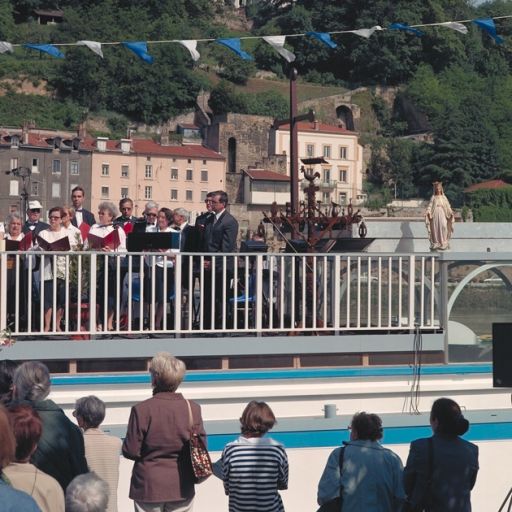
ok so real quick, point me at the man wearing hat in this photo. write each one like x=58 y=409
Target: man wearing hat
x=34 y=222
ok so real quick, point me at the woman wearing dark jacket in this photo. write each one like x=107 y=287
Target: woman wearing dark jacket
x=157 y=440
x=441 y=470
x=60 y=452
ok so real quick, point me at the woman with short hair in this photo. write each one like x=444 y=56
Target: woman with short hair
x=11 y=499
x=102 y=451
x=110 y=238
x=60 y=452
x=23 y=475
x=254 y=468
x=370 y=477
x=157 y=439
x=441 y=470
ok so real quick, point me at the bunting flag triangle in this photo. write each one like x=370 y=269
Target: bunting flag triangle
x=5 y=47
x=277 y=42
x=140 y=48
x=459 y=27
x=92 y=45
x=235 y=45
x=46 y=48
x=323 y=37
x=191 y=46
x=366 y=32
x=487 y=24
x=406 y=28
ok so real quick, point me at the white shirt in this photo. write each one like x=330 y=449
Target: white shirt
x=79 y=217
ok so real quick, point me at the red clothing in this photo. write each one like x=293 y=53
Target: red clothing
x=157 y=440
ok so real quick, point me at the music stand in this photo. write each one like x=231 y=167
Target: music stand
x=138 y=242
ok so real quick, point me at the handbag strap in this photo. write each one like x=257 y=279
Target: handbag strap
x=190 y=418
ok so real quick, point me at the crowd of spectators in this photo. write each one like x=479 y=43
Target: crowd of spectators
x=48 y=463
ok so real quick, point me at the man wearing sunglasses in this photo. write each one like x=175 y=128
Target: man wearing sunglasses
x=148 y=223
x=34 y=222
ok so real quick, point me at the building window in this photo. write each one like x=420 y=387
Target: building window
x=326 y=197
x=56 y=167
x=204 y=175
x=174 y=194
x=74 y=167
x=15 y=141
x=124 y=192
x=343 y=176
x=125 y=171
x=189 y=175
x=327 y=175
x=35 y=164
x=13 y=188
x=310 y=150
x=14 y=163
x=342 y=198
x=56 y=190
x=148 y=192
x=104 y=192
x=327 y=151
x=189 y=161
x=174 y=173
x=188 y=195
x=148 y=173
x=343 y=152
x=204 y=193
x=34 y=188
x=204 y=162
x=105 y=169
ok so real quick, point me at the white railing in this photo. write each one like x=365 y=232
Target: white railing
x=205 y=294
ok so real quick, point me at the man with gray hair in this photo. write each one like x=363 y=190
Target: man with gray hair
x=102 y=451
x=148 y=223
x=87 y=493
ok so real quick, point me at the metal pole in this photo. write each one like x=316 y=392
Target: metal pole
x=294 y=163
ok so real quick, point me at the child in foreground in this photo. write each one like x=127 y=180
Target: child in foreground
x=253 y=468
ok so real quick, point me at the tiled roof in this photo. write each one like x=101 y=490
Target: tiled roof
x=487 y=185
x=138 y=146
x=191 y=151
x=318 y=127
x=189 y=126
x=264 y=175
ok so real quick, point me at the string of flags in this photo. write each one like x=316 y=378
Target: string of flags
x=140 y=48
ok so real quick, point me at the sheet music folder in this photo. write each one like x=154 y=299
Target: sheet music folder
x=138 y=242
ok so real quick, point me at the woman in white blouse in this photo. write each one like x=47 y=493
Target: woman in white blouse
x=104 y=228
x=53 y=265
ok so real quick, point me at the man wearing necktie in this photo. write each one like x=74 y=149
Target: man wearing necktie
x=220 y=237
x=81 y=214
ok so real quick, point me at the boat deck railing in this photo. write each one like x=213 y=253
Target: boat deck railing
x=97 y=295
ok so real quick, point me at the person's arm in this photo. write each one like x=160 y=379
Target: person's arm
x=77 y=451
x=218 y=468
x=229 y=236
x=282 y=478
x=132 y=445
x=474 y=470
x=330 y=481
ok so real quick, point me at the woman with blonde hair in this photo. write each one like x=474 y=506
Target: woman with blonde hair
x=157 y=439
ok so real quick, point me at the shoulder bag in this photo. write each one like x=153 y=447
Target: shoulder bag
x=335 y=504
x=199 y=456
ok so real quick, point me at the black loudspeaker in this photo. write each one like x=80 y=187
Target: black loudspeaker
x=502 y=355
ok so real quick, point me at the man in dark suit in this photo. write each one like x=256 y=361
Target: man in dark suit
x=148 y=222
x=34 y=222
x=32 y=227
x=81 y=214
x=126 y=209
x=221 y=232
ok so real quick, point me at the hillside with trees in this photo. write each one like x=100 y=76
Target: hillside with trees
x=460 y=83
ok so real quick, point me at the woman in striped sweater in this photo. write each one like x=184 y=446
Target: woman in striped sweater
x=254 y=467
